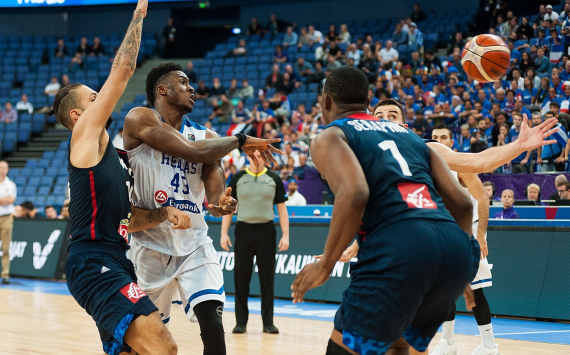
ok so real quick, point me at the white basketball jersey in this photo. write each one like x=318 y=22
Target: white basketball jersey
x=164 y=180
x=473 y=200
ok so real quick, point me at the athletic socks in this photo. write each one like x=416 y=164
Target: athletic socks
x=448 y=330
x=487 y=337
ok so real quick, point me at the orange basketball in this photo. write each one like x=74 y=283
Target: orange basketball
x=486 y=58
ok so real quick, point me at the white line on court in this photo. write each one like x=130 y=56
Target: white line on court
x=551 y=331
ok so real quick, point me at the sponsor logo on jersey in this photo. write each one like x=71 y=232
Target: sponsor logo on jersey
x=416 y=195
x=191 y=137
x=160 y=196
x=124 y=228
x=133 y=292
x=182 y=205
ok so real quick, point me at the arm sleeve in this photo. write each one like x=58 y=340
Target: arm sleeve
x=280 y=193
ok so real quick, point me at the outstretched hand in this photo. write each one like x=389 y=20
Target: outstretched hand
x=264 y=147
x=142 y=6
x=226 y=204
x=531 y=138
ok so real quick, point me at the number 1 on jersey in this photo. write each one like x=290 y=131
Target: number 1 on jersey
x=391 y=145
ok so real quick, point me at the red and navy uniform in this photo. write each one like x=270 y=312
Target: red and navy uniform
x=414 y=260
x=99 y=275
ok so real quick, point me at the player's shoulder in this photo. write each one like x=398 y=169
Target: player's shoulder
x=141 y=115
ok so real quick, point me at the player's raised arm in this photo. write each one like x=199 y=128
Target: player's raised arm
x=329 y=148
x=455 y=198
x=143 y=125
x=87 y=130
x=492 y=158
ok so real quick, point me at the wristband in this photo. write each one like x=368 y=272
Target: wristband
x=241 y=139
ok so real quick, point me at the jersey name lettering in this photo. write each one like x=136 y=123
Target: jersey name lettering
x=177 y=163
x=382 y=126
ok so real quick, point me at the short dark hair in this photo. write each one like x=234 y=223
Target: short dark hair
x=390 y=102
x=347 y=86
x=565 y=184
x=65 y=100
x=501 y=113
x=443 y=126
x=156 y=76
x=27 y=205
x=49 y=206
x=549 y=113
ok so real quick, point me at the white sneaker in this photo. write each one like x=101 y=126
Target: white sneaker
x=444 y=348
x=482 y=350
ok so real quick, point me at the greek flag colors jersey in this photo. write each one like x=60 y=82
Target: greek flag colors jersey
x=99 y=206
x=473 y=201
x=164 y=180
x=397 y=169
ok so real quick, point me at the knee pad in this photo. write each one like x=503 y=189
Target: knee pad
x=209 y=316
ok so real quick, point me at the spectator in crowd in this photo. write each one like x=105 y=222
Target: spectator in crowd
x=316 y=35
x=238 y=51
x=388 y=55
x=24 y=106
x=549 y=154
x=533 y=194
x=242 y=118
x=280 y=56
x=7 y=198
x=246 y=91
x=190 y=73
x=169 y=36
x=290 y=38
x=221 y=109
x=353 y=53
x=64 y=214
x=456 y=42
x=97 y=48
x=217 y=89
x=517 y=167
x=415 y=36
x=431 y=60
x=83 y=47
x=255 y=28
x=118 y=139
x=299 y=171
x=202 y=91
x=332 y=34
x=508 y=212
x=9 y=114
x=525 y=30
x=76 y=63
x=274 y=26
x=525 y=64
x=551 y=15
x=52 y=88
x=344 y=35
x=286 y=84
x=294 y=198
x=399 y=36
x=369 y=65
x=305 y=38
x=542 y=63
x=540 y=18
x=273 y=79
x=64 y=81
x=303 y=68
x=233 y=92
x=60 y=49
x=418 y=15
x=50 y=212
x=29 y=210
x=563 y=189
x=491 y=192
x=335 y=50
x=321 y=52
x=332 y=63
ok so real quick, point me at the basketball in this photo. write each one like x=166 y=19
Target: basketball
x=485 y=58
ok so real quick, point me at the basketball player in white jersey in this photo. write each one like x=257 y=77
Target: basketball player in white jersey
x=446 y=346
x=175 y=163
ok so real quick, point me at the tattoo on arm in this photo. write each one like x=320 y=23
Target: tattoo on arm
x=129 y=49
x=157 y=215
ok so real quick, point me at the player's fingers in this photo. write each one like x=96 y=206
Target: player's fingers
x=271 y=158
x=318 y=257
x=273 y=140
x=228 y=191
x=275 y=150
x=549 y=132
x=548 y=142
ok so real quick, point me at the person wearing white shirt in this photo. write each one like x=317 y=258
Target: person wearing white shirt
x=551 y=15
x=24 y=106
x=353 y=53
x=294 y=197
x=316 y=35
x=118 y=140
x=52 y=88
x=7 y=198
x=388 y=54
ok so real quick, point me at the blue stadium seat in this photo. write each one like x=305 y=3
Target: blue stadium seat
x=20 y=180
x=47 y=181
x=38 y=172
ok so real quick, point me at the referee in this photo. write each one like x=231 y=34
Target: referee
x=256 y=190
x=7 y=198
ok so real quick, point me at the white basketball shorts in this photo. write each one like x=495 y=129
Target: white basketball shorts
x=483 y=277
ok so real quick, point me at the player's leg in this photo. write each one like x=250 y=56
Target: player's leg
x=265 y=248
x=209 y=314
x=482 y=314
x=148 y=335
x=244 y=252
x=446 y=345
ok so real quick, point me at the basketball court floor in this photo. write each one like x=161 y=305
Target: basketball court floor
x=40 y=317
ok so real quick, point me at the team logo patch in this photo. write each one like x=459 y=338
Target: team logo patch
x=416 y=195
x=160 y=196
x=191 y=137
x=133 y=292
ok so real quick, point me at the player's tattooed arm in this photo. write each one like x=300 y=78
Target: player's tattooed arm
x=142 y=219
x=129 y=49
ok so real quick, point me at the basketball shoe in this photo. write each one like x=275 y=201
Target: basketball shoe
x=444 y=348
x=482 y=350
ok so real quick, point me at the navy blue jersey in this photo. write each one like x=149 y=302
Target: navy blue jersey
x=99 y=206
x=396 y=164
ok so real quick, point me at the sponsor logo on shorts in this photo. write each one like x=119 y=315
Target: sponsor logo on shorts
x=416 y=195
x=133 y=292
x=160 y=196
x=104 y=269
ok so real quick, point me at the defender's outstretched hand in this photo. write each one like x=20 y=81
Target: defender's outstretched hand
x=264 y=147
x=226 y=204
x=531 y=138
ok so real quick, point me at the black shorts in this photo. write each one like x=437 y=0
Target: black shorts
x=404 y=284
x=103 y=281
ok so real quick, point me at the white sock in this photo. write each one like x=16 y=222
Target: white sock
x=487 y=336
x=448 y=329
